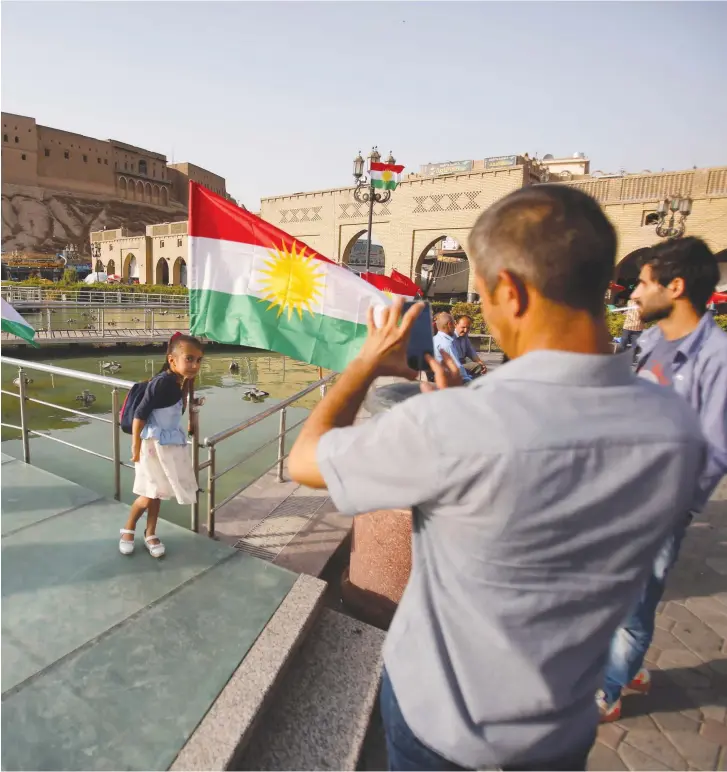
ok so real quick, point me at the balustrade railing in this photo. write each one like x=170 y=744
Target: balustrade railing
x=56 y=295
x=210 y=443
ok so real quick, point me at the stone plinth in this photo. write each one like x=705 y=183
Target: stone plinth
x=380 y=564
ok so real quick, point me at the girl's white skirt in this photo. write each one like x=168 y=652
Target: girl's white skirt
x=165 y=472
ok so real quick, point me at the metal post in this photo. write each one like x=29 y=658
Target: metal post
x=116 y=437
x=195 y=462
x=102 y=320
x=281 y=445
x=211 y=493
x=23 y=416
x=48 y=315
x=152 y=321
x=372 y=198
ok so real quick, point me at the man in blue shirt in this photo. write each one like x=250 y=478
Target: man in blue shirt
x=444 y=341
x=464 y=348
x=685 y=351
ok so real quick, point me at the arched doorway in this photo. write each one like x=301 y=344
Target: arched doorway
x=147 y=192
x=110 y=267
x=627 y=273
x=130 y=190
x=442 y=269
x=179 y=272
x=165 y=197
x=155 y=194
x=131 y=267
x=162 y=272
x=722 y=262
x=354 y=255
x=122 y=187
x=139 y=191
x=99 y=267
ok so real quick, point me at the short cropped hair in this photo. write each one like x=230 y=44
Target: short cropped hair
x=689 y=259
x=553 y=237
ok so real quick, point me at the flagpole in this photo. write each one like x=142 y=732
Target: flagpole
x=365 y=193
x=372 y=198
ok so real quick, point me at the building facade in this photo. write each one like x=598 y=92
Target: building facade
x=54 y=159
x=444 y=200
x=157 y=257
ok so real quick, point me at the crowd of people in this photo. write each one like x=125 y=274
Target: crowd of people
x=549 y=499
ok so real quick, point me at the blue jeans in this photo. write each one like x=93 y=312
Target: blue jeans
x=406 y=752
x=633 y=638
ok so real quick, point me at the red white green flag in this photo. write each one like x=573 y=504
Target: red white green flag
x=252 y=284
x=385 y=176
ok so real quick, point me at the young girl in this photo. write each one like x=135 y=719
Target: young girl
x=159 y=450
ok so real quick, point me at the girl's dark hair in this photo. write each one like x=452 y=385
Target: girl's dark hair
x=174 y=342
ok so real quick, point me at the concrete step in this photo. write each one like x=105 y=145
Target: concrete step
x=320 y=714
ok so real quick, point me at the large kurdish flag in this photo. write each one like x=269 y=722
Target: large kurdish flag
x=14 y=323
x=385 y=176
x=252 y=284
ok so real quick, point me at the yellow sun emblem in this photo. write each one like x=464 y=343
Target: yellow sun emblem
x=387 y=175
x=293 y=281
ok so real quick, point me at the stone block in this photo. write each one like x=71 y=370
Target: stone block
x=715 y=731
x=604 y=759
x=697 y=637
x=610 y=735
x=655 y=745
x=697 y=750
x=636 y=760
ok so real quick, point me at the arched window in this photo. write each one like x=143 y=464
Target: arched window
x=142 y=167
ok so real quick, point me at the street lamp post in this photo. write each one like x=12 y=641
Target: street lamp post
x=365 y=193
x=674 y=228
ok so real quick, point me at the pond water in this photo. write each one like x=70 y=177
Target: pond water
x=281 y=377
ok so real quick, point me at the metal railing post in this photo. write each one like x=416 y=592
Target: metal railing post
x=48 y=315
x=211 y=492
x=116 y=437
x=23 y=416
x=152 y=321
x=102 y=320
x=195 y=462
x=281 y=445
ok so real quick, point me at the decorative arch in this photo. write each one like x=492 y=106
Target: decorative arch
x=165 y=197
x=139 y=190
x=142 y=167
x=147 y=192
x=627 y=270
x=161 y=275
x=99 y=267
x=122 y=187
x=155 y=194
x=179 y=272
x=110 y=267
x=355 y=257
x=130 y=190
x=131 y=267
x=452 y=278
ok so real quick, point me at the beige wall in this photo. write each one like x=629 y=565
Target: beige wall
x=182 y=173
x=421 y=211
x=20 y=149
x=424 y=209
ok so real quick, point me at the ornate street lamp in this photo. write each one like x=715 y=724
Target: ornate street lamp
x=365 y=193
x=674 y=228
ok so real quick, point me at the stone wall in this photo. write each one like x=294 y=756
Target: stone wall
x=47 y=221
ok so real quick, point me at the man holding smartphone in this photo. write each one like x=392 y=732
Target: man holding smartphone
x=531 y=532
x=444 y=343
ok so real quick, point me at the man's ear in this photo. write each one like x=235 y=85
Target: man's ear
x=511 y=291
x=677 y=288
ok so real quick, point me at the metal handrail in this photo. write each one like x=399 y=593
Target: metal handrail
x=225 y=433
x=58 y=294
x=210 y=443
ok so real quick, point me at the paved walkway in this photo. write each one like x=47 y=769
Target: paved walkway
x=682 y=723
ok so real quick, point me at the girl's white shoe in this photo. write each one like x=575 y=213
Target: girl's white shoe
x=126 y=547
x=155 y=550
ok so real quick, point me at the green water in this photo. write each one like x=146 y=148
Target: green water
x=224 y=407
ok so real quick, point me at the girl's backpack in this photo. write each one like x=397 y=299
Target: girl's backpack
x=133 y=398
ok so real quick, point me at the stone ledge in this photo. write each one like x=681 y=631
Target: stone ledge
x=228 y=725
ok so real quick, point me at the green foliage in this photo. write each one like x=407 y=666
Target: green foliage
x=615 y=323
x=162 y=289
x=721 y=320
x=69 y=276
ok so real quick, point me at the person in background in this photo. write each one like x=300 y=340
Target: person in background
x=687 y=353
x=632 y=329
x=532 y=532
x=464 y=348
x=444 y=341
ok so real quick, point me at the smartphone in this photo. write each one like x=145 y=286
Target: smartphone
x=421 y=341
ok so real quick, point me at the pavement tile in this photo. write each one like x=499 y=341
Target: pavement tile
x=636 y=723
x=715 y=731
x=637 y=760
x=604 y=759
x=610 y=735
x=697 y=637
x=664 y=623
x=657 y=746
x=675 y=722
x=665 y=640
x=714 y=712
x=679 y=613
x=697 y=750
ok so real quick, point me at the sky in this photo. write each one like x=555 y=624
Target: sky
x=279 y=97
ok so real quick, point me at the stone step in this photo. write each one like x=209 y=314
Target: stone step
x=320 y=715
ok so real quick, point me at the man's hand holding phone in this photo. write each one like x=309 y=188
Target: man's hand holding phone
x=385 y=348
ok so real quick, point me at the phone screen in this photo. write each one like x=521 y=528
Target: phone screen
x=421 y=341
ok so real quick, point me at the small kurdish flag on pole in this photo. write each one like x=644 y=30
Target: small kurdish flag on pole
x=385 y=176
x=14 y=323
x=251 y=284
